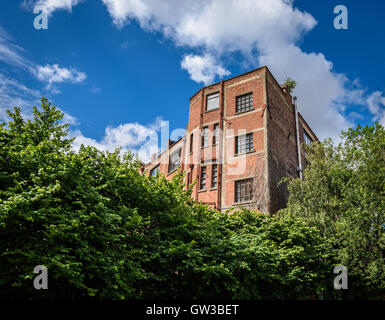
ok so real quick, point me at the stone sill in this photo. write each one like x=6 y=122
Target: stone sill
x=242 y=112
x=244 y=153
x=171 y=172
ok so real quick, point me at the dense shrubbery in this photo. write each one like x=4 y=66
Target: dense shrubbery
x=105 y=231
x=343 y=195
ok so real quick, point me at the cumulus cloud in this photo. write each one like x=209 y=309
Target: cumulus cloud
x=265 y=32
x=140 y=139
x=376 y=104
x=262 y=32
x=203 y=68
x=55 y=74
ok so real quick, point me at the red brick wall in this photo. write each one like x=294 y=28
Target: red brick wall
x=274 y=142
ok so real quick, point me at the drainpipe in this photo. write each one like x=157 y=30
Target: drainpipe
x=198 y=174
x=220 y=148
x=299 y=169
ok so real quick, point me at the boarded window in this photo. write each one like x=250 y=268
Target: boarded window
x=212 y=101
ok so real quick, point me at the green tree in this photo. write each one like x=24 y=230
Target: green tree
x=106 y=231
x=343 y=195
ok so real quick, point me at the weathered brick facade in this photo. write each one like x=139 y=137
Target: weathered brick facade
x=263 y=128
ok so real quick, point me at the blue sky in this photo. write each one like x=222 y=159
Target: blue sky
x=121 y=69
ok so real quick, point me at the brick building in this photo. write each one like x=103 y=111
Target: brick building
x=241 y=139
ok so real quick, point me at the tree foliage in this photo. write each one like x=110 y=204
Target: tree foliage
x=343 y=195
x=105 y=231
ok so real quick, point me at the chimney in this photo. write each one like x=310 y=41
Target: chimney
x=153 y=157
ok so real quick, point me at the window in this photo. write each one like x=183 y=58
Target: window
x=216 y=134
x=205 y=136
x=203 y=178
x=244 y=190
x=212 y=101
x=244 y=143
x=308 y=140
x=174 y=160
x=214 y=176
x=244 y=102
x=154 y=171
x=191 y=142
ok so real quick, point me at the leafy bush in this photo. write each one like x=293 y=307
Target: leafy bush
x=343 y=196
x=105 y=231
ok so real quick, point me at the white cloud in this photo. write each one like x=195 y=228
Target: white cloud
x=14 y=94
x=262 y=32
x=203 y=68
x=140 y=139
x=14 y=55
x=11 y=53
x=55 y=74
x=376 y=104
x=50 y=6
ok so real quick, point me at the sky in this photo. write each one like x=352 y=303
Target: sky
x=122 y=71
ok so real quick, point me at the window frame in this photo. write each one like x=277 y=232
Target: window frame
x=247 y=104
x=203 y=171
x=307 y=138
x=191 y=142
x=249 y=144
x=248 y=183
x=215 y=134
x=205 y=137
x=154 y=168
x=210 y=96
x=171 y=167
x=214 y=184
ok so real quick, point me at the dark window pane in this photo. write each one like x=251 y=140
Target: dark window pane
x=154 y=171
x=244 y=190
x=308 y=140
x=174 y=161
x=244 y=102
x=203 y=178
x=191 y=142
x=214 y=176
x=216 y=134
x=205 y=137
